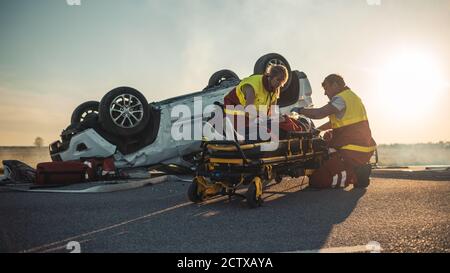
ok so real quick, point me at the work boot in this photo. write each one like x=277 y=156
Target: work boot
x=363 y=176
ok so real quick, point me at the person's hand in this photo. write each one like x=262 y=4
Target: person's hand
x=297 y=109
x=328 y=135
x=294 y=115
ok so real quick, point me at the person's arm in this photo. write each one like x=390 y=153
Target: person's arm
x=271 y=106
x=249 y=94
x=325 y=127
x=318 y=113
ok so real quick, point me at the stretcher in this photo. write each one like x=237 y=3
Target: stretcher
x=225 y=166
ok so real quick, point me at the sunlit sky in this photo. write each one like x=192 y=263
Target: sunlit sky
x=53 y=56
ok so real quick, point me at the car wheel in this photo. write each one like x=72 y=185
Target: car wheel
x=264 y=62
x=124 y=111
x=221 y=76
x=83 y=110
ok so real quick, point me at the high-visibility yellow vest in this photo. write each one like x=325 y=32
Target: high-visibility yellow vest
x=354 y=112
x=263 y=97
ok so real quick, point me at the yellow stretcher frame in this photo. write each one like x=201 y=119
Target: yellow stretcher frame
x=207 y=188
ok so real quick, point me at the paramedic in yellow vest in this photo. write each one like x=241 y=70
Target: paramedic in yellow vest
x=348 y=134
x=257 y=90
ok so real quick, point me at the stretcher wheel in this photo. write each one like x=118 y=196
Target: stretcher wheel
x=278 y=178
x=193 y=193
x=253 y=201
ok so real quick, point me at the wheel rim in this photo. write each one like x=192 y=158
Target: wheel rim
x=86 y=113
x=275 y=62
x=126 y=111
x=222 y=79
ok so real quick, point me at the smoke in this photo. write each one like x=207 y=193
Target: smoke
x=414 y=154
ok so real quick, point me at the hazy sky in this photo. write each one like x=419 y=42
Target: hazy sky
x=53 y=56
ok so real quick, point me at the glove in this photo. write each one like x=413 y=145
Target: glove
x=328 y=135
x=294 y=115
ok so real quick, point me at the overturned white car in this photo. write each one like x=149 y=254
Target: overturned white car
x=123 y=125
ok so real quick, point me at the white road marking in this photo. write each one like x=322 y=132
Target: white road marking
x=371 y=247
x=62 y=243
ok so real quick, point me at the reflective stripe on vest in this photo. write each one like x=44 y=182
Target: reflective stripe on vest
x=354 y=110
x=263 y=97
x=234 y=112
x=358 y=148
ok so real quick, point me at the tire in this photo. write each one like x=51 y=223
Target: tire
x=263 y=63
x=252 y=200
x=221 y=76
x=83 y=110
x=124 y=111
x=192 y=193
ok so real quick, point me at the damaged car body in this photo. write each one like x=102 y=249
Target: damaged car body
x=135 y=133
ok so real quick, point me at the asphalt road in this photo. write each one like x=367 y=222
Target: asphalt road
x=402 y=215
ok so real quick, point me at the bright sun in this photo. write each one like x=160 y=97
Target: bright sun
x=410 y=84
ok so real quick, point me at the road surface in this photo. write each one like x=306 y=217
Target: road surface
x=402 y=214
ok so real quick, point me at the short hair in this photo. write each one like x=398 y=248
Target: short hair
x=334 y=78
x=277 y=70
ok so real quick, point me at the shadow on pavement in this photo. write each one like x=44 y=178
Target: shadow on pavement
x=287 y=221
x=160 y=219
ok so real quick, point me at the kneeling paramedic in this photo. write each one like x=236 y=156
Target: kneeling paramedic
x=348 y=135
